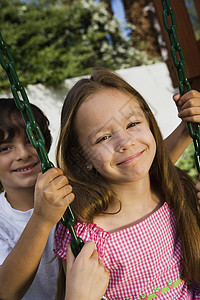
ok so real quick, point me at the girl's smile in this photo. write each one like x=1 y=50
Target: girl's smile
x=130 y=159
x=115 y=135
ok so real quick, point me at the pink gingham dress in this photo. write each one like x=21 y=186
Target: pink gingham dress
x=144 y=260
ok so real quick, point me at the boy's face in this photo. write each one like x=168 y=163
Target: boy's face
x=19 y=163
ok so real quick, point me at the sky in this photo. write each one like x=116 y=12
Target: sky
x=118 y=10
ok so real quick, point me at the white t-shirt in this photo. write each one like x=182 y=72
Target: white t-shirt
x=12 y=224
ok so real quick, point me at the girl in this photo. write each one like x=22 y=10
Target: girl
x=139 y=209
x=26 y=235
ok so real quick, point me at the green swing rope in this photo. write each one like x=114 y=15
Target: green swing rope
x=34 y=133
x=179 y=63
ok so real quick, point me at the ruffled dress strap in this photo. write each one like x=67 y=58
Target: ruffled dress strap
x=86 y=231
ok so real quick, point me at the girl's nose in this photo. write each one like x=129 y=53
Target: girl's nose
x=125 y=141
x=22 y=152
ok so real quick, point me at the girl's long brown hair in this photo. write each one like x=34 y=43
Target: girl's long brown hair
x=92 y=195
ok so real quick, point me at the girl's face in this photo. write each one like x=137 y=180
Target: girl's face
x=115 y=136
x=19 y=163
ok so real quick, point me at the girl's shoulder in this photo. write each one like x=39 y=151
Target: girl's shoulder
x=91 y=232
x=82 y=229
x=86 y=231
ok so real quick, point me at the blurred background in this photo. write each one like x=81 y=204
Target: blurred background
x=54 y=42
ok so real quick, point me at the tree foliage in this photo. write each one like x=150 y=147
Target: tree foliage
x=142 y=14
x=54 y=40
x=187 y=162
x=193 y=17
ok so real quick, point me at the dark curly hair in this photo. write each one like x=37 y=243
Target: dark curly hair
x=12 y=122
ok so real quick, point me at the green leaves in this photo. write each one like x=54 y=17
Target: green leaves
x=54 y=40
x=187 y=162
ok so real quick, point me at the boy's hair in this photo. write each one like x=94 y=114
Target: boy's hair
x=12 y=122
x=92 y=195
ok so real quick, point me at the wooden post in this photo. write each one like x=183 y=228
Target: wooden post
x=197 y=6
x=186 y=37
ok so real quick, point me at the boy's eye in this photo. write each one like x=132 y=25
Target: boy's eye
x=4 y=149
x=28 y=141
x=103 y=138
x=132 y=124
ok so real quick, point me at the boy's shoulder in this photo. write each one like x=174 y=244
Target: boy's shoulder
x=3 y=203
x=12 y=219
x=12 y=223
x=6 y=208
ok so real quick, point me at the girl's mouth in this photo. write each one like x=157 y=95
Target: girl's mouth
x=130 y=158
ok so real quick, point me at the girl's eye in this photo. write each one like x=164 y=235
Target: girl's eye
x=132 y=124
x=103 y=138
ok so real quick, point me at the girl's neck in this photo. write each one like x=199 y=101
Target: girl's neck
x=135 y=194
x=21 y=199
x=138 y=201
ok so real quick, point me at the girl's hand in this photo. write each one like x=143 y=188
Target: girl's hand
x=188 y=106
x=53 y=194
x=86 y=276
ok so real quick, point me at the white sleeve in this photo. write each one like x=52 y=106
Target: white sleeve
x=12 y=223
x=5 y=248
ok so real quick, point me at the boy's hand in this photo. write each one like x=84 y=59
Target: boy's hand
x=53 y=194
x=86 y=276
x=188 y=106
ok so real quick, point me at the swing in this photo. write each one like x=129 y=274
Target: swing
x=179 y=63
x=33 y=129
